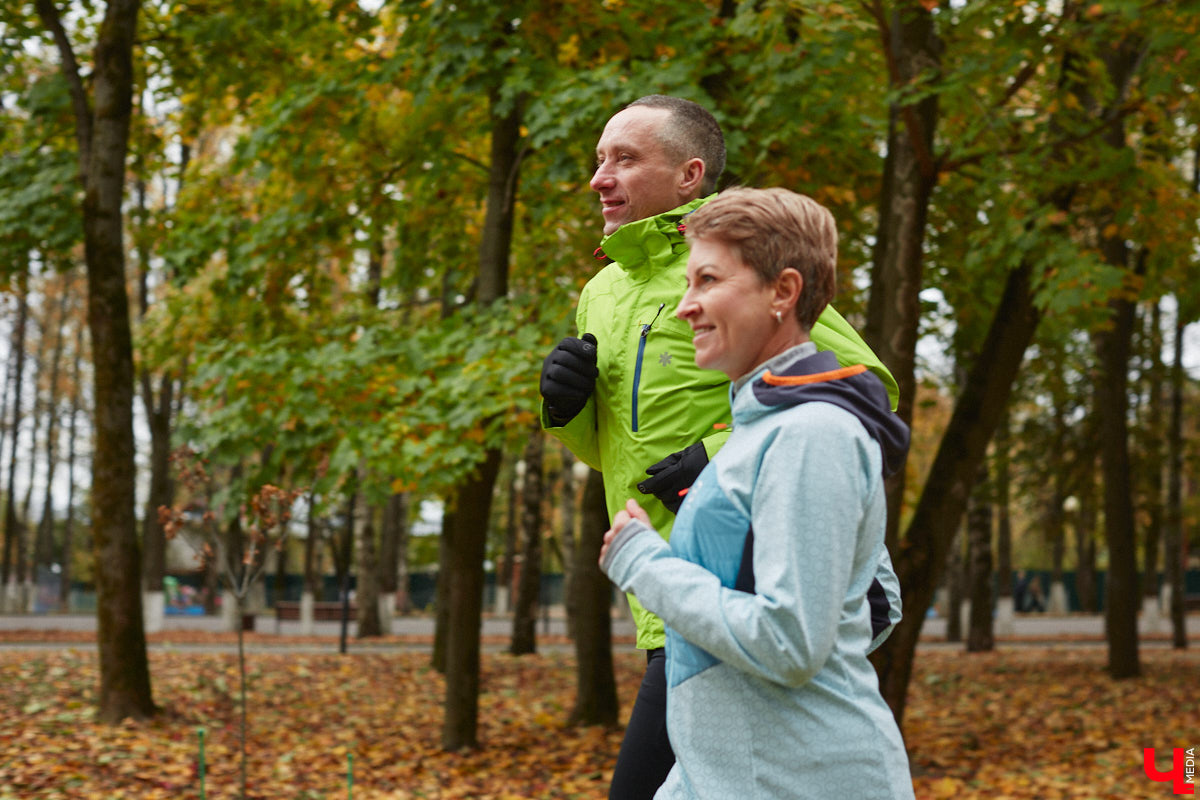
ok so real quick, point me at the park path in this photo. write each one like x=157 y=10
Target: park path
x=45 y=631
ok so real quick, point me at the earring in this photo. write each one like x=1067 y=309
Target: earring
x=779 y=317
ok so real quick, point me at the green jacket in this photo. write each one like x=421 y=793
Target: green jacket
x=651 y=399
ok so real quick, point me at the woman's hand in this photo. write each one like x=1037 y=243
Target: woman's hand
x=631 y=511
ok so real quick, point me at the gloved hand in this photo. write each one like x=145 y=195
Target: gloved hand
x=569 y=377
x=673 y=474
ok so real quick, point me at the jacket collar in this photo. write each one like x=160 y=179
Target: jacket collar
x=639 y=245
x=800 y=375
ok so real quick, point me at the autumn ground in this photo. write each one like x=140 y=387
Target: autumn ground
x=1024 y=722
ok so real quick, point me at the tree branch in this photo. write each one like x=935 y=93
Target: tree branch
x=48 y=12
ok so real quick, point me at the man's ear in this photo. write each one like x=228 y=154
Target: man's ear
x=691 y=177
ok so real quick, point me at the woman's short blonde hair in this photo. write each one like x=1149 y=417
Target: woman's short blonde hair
x=772 y=230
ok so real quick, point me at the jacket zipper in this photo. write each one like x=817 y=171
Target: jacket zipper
x=637 y=369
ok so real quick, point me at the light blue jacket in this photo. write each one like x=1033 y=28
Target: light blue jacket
x=764 y=591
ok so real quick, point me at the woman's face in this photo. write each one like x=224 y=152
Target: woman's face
x=730 y=310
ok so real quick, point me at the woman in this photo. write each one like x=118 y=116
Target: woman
x=764 y=585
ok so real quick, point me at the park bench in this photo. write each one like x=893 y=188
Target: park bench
x=322 y=611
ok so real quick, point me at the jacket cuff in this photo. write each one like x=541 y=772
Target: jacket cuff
x=621 y=555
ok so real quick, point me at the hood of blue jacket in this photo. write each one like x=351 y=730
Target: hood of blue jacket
x=819 y=378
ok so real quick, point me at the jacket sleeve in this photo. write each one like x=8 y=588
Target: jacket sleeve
x=806 y=510
x=580 y=435
x=714 y=441
x=832 y=332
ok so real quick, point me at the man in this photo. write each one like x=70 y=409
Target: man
x=627 y=398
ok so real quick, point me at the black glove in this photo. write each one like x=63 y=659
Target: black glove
x=568 y=377
x=673 y=474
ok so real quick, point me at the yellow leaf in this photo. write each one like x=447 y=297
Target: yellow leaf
x=945 y=788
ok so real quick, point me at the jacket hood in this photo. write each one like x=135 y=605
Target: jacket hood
x=645 y=242
x=856 y=389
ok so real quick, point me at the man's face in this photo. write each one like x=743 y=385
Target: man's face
x=635 y=177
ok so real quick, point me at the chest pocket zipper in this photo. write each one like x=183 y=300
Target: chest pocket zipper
x=637 y=368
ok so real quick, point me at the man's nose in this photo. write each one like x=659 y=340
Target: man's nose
x=601 y=179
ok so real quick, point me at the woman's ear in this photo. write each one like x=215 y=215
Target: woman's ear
x=788 y=287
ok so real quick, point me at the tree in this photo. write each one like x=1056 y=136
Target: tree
x=1173 y=539
x=468 y=536
x=910 y=173
x=596 y=700
x=43 y=551
x=259 y=524
x=524 y=638
x=12 y=523
x=1048 y=268
x=1112 y=403
x=980 y=638
x=102 y=133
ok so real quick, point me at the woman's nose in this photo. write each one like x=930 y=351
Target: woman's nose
x=687 y=307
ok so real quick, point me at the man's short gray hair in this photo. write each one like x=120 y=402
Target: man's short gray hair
x=691 y=132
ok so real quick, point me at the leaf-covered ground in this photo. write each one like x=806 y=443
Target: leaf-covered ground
x=1019 y=723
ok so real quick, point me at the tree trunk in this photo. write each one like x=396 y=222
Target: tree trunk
x=568 y=501
x=1112 y=405
x=596 y=700
x=921 y=558
x=1174 y=540
x=465 y=547
x=909 y=177
x=103 y=135
x=12 y=524
x=393 y=552
x=467 y=542
x=524 y=633
x=9 y=364
x=367 y=593
x=954 y=590
x=980 y=637
x=1121 y=592
x=161 y=491
x=1056 y=480
x=441 y=629
x=1002 y=499
x=312 y=551
x=344 y=559
x=505 y=589
x=1152 y=461
x=23 y=585
x=68 y=543
x=1085 y=539
x=43 y=546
